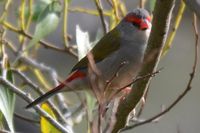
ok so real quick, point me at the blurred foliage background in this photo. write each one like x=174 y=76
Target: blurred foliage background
x=22 y=19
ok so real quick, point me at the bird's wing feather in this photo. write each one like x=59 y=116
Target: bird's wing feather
x=107 y=45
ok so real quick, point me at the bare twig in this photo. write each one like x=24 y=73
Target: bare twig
x=100 y=10
x=112 y=117
x=97 y=87
x=40 y=92
x=95 y=78
x=40 y=111
x=65 y=16
x=69 y=50
x=26 y=118
x=110 y=3
x=44 y=68
x=108 y=83
x=115 y=7
x=136 y=80
x=143 y=101
x=176 y=24
x=78 y=109
x=5 y=10
x=88 y=11
x=142 y=3
x=187 y=89
x=53 y=74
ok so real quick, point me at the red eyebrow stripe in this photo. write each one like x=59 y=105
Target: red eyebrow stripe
x=133 y=19
x=136 y=19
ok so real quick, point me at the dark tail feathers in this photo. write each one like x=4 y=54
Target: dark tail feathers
x=46 y=95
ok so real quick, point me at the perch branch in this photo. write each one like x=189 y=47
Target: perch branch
x=161 y=21
x=187 y=89
x=100 y=10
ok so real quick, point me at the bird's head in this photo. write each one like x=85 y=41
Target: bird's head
x=138 y=21
x=139 y=18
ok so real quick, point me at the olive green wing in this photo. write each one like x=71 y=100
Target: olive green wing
x=107 y=45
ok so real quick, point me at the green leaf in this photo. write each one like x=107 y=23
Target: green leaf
x=69 y=1
x=2 y=0
x=1 y=120
x=47 y=127
x=91 y=102
x=47 y=22
x=37 y=7
x=7 y=101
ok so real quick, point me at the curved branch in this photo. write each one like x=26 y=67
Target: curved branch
x=162 y=15
x=100 y=10
x=187 y=89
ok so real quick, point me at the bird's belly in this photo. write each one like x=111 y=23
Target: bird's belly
x=119 y=71
x=123 y=77
x=116 y=72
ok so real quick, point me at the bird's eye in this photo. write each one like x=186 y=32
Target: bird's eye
x=135 y=24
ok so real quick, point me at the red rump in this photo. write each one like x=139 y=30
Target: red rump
x=76 y=74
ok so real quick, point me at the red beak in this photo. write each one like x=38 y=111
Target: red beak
x=144 y=25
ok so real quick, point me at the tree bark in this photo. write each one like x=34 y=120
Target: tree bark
x=161 y=20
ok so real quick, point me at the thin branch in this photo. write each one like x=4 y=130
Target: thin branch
x=108 y=83
x=40 y=92
x=176 y=24
x=143 y=101
x=187 y=89
x=30 y=7
x=69 y=50
x=100 y=10
x=137 y=79
x=112 y=118
x=110 y=3
x=5 y=10
x=88 y=11
x=65 y=16
x=95 y=78
x=28 y=99
x=26 y=118
x=142 y=3
x=42 y=67
x=116 y=4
